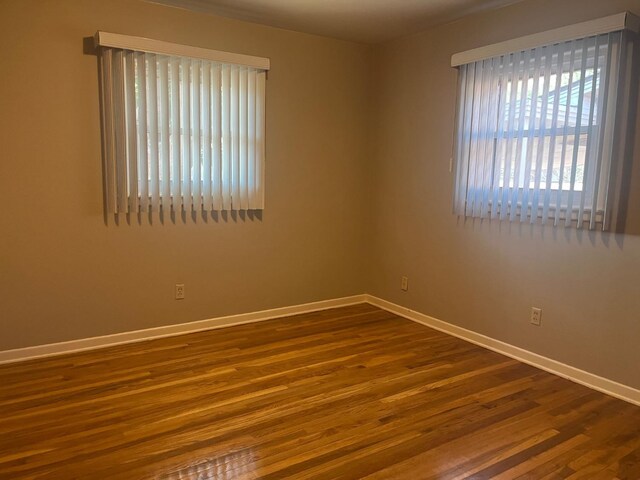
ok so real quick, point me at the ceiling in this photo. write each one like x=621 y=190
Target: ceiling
x=368 y=21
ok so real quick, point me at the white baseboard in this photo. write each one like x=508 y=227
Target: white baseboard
x=39 y=351
x=587 y=379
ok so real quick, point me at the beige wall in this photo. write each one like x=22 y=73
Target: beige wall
x=479 y=275
x=65 y=275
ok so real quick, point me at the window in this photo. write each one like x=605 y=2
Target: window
x=536 y=131
x=183 y=127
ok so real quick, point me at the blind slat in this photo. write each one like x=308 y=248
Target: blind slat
x=495 y=181
x=459 y=140
x=176 y=140
x=196 y=153
x=488 y=139
x=251 y=135
x=261 y=78
x=532 y=126
x=576 y=139
x=618 y=51
x=466 y=110
x=205 y=122
x=108 y=131
x=602 y=108
x=520 y=135
x=552 y=141
x=565 y=137
x=475 y=134
x=548 y=58
x=242 y=135
x=152 y=125
x=216 y=128
x=120 y=132
x=142 y=137
x=164 y=117
x=226 y=138
x=185 y=121
x=235 y=139
x=132 y=138
x=590 y=138
x=511 y=136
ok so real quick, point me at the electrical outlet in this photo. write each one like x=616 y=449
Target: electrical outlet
x=179 y=291
x=536 y=316
x=404 y=285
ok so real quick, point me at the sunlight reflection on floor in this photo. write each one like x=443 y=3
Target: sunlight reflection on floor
x=231 y=466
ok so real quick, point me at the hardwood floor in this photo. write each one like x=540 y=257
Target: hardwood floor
x=354 y=392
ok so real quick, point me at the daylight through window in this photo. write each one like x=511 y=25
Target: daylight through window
x=181 y=133
x=535 y=132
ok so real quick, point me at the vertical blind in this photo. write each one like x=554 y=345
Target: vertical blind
x=535 y=132
x=181 y=133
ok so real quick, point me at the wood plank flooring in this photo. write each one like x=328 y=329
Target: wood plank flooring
x=353 y=392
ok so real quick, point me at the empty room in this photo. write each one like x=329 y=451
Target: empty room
x=320 y=239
